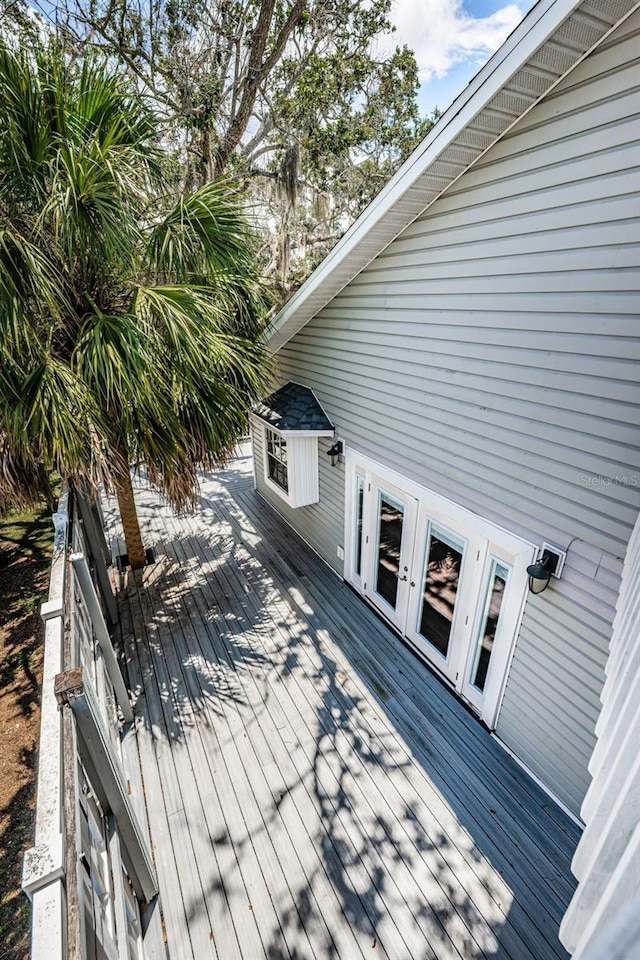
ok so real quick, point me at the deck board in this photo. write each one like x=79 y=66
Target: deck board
x=389 y=775
x=312 y=790
x=263 y=734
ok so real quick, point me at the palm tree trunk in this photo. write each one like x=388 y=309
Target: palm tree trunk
x=130 y=525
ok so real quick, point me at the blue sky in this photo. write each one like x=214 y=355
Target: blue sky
x=452 y=39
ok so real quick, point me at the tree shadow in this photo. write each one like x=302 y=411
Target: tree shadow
x=16 y=829
x=29 y=533
x=25 y=551
x=328 y=795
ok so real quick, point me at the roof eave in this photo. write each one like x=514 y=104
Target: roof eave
x=542 y=22
x=288 y=434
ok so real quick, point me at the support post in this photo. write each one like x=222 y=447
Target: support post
x=81 y=570
x=105 y=774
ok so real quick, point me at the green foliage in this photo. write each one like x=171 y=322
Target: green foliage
x=130 y=323
x=289 y=96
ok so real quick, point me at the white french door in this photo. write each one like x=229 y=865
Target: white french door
x=446 y=569
x=452 y=583
x=388 y=541
x=499 y=606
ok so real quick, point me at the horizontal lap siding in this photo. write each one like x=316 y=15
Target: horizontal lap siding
x=551 y=704
x=491 y=353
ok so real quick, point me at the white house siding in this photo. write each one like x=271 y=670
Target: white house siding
x=490 y=352
x=603 y=916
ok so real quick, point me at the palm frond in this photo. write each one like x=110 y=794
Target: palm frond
x=205 y=235
x=25 y=144
x=118 y=120
x=88 y=214
x=119 y=341
x=177 y=315
x=23 y=481
x=29 y=284
x=55 y=415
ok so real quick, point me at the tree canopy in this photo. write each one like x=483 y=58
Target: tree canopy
x=294 y=97
x=130 y=313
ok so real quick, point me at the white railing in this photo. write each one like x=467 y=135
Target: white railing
x=90 y=856
x=44 y=864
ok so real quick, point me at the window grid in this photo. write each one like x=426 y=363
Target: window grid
x=277 y=468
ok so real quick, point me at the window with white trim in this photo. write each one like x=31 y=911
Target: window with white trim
x=277 y=467
x=290 y=463
x=287 y=427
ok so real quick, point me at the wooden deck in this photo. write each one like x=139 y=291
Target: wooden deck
x=312 y=790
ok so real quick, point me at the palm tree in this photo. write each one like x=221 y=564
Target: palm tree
x=130 y=326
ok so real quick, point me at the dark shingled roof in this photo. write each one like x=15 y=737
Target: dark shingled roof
x=293 y=407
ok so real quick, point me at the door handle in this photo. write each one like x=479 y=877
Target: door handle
x=403 y=578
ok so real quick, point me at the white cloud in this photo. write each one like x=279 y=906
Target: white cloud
x=443 y=34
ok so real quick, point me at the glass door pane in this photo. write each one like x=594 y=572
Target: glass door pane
x=390 y=527
x=358 y=533
x=489 y=624
x=444 y=555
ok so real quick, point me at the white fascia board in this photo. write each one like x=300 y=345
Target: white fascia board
x=541 y=22
x=300 y=433
x=287 y=434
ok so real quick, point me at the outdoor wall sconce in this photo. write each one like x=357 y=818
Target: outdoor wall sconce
x=549 y=563
x=334 y=452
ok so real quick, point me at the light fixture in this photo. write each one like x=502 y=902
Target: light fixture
x=334 y=452
x=548 y=564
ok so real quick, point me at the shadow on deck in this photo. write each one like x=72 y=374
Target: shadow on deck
x=312 y=791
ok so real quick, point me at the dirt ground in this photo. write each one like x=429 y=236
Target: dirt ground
x=25 y=551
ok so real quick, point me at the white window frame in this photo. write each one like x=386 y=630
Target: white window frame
x=424 y=532
x=283 y=463
x=352 y=543
x=302 y=462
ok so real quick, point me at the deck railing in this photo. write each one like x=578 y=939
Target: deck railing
x=90 y=867
x=44 y=865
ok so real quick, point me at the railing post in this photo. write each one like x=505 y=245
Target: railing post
x=90 y=597
x=104 y=773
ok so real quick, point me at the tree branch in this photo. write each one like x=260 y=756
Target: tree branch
x=257 y=71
